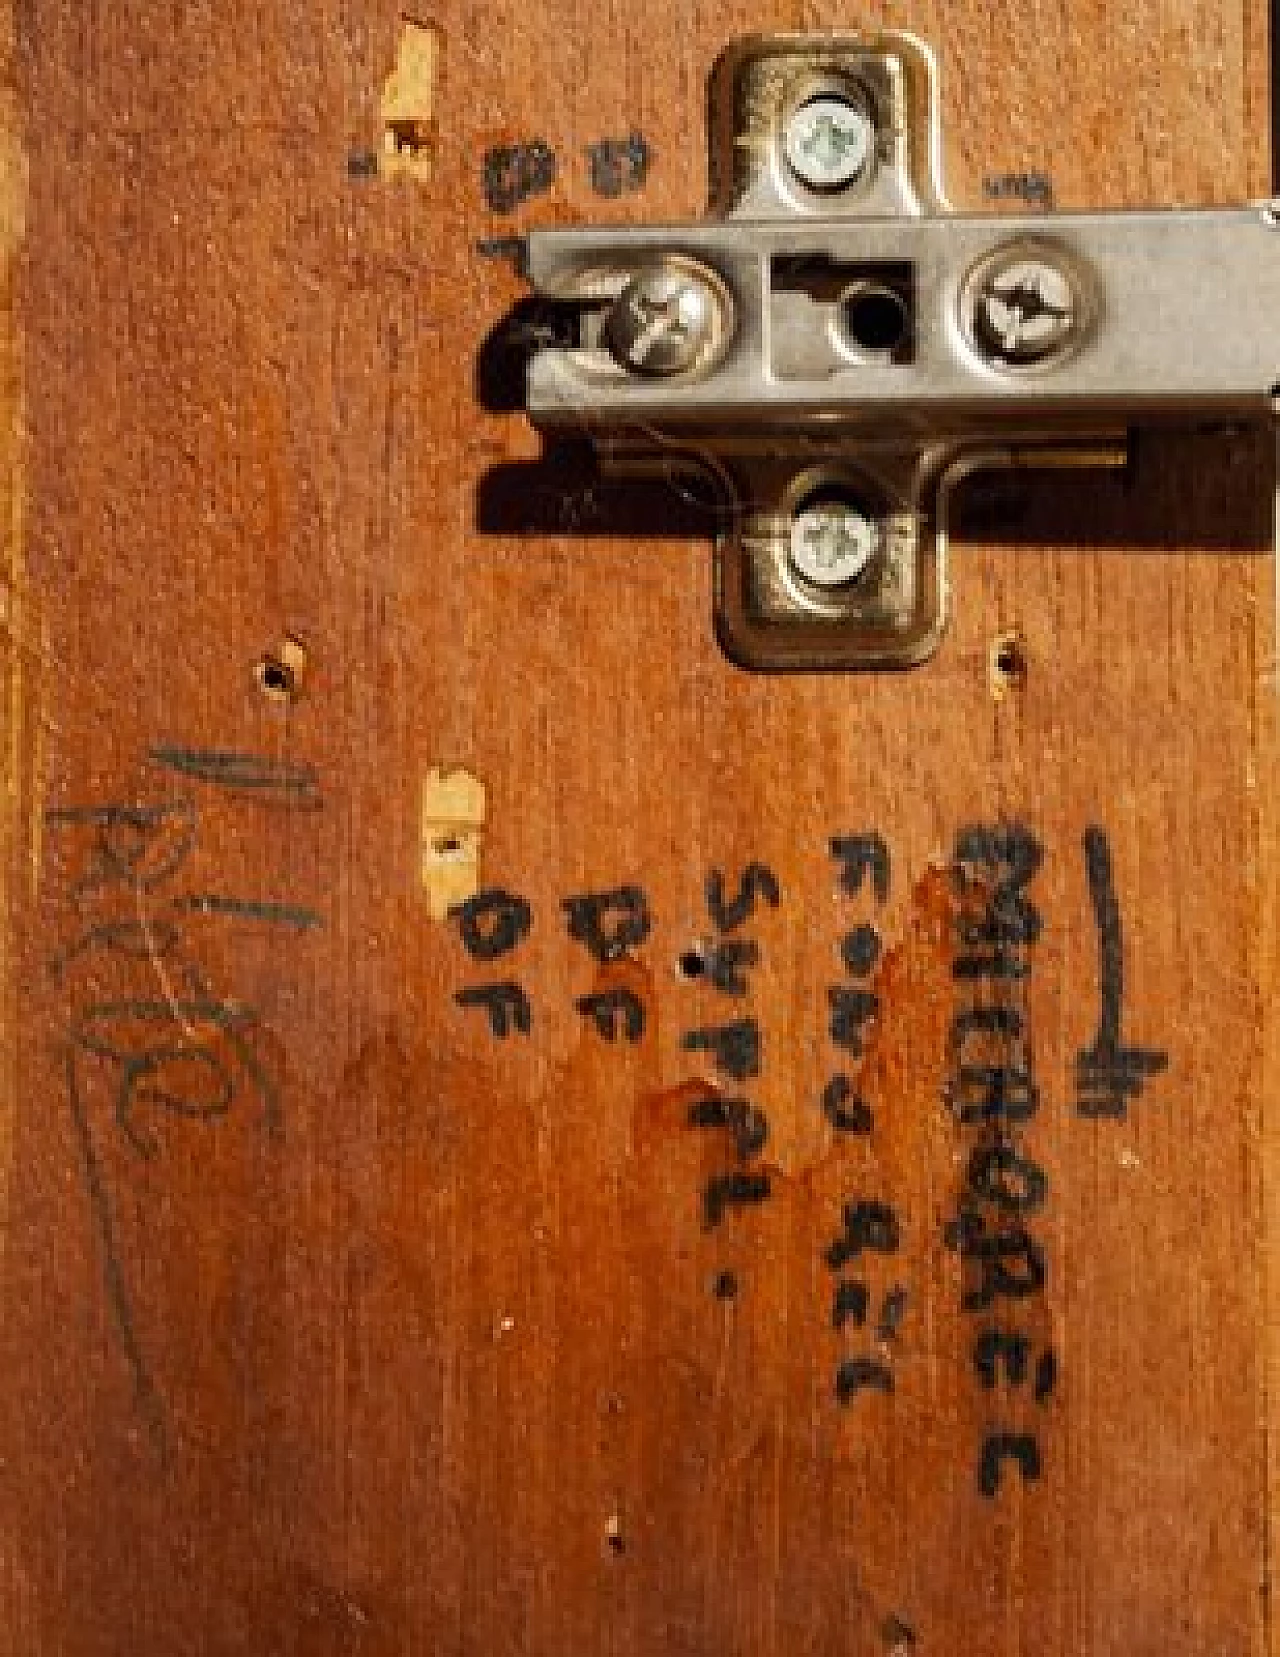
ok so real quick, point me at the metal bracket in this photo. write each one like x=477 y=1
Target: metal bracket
x=836 y=348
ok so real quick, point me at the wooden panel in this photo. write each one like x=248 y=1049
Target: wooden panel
x=335 y=1323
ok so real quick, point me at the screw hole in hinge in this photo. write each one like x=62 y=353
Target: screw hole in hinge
x=876 y=318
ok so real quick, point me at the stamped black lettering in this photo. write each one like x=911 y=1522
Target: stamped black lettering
x=1035 y=188
x=993 y=868
x=1010 y=1261
x=609 y=924
x=994 y=1093
x=514 y=172
x=729 y=1191
x=991 y=1086
x=748 y=1125
x=726 y=961
x=506 y=1004
x=1004 y=1348
x=997 y=1448
x=868 y=1227
x=857 y=1375
x=860 y=855
x=850 y=1304
x=1000 y=1024
x=860 y=950
x=843 y=1108
x=893 y=1308
x=514 y=249
x=999 y=963
x=757 y=881
x=492 y=923
x=995 y=1347
x=750 y=1129
x=615 y=1012
x=618 y=165
x=851 y=1011
x=735 y=1047
x=998 y=1174
x=1001 y=1089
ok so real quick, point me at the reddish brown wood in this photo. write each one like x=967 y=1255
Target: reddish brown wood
x=416 y=1347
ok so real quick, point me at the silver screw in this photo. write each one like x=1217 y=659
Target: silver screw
x=828 y=141
x=666 y=320
x=1024 y=311
x=832 y=542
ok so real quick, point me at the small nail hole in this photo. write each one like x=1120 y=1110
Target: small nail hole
x=1009 y=660
x=613 y=1537
x=276 y=676
x=692 y=964
x=1008 y=663
x=280 y=672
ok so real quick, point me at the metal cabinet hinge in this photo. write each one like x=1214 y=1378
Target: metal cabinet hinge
x=836 y=348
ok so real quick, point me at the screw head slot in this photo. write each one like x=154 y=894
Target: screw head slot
x=828 y=141
x=670 y=318
x=832 y=542
x=1024 y=306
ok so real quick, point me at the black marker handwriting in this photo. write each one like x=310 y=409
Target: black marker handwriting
x=1109 y=1074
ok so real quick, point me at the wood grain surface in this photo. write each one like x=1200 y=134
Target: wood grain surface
x=334 y=1322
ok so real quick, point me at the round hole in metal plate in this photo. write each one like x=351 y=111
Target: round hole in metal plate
x=875 y=318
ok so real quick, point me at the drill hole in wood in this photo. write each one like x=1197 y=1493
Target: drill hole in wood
x=1007 y=665
x=280 y=672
